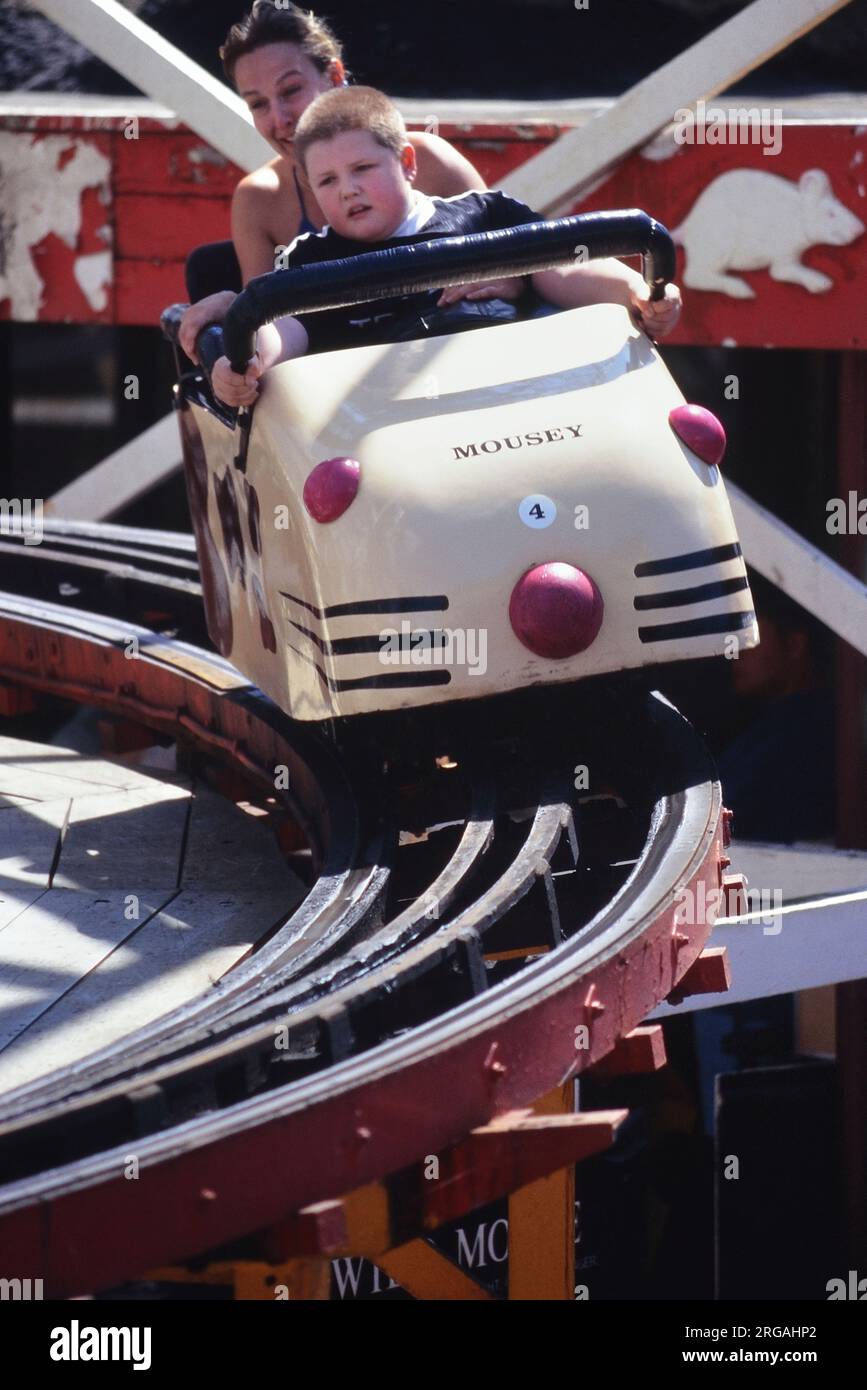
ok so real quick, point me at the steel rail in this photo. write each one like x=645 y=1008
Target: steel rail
x=98 y=1069
x=328 y=921
x=440 y=963
x=322 y=926
x=90 y=534
x=115 y=570
x=183 y=687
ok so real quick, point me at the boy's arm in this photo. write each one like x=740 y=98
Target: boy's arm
x=275 y=342
x=497 y=211
x=609 y=282
x=484 y=289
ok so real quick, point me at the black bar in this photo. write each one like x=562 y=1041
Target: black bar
x=696 y=559
x=700 y=593
x=698 y=627
x=445 y=261
x=426 y=603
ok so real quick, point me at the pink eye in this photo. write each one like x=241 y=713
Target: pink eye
x=699 y=430
x=331 y=487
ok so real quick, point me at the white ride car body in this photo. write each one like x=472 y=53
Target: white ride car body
x=463 y=443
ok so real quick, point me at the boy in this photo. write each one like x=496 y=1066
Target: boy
x=352 y=143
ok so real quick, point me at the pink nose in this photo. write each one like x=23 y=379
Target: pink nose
x=331 y=487
x=556 y=610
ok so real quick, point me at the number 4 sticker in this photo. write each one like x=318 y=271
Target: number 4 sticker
x=537 y=511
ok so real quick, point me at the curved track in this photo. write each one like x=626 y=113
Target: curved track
x=463 y=921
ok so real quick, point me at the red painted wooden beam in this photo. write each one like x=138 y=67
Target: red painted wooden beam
x=104 y=222
x=639 y=1052
x=709 y=974
x=493 y=1161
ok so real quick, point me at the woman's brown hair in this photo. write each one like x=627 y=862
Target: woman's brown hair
x=269 y=22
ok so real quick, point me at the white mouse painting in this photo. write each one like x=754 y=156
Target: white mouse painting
x=41 y=191
x=749 y=220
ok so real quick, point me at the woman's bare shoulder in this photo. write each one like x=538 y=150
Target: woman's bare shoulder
x=261 y=185
x=264 y=214
x=264 y=209
x=442 y=170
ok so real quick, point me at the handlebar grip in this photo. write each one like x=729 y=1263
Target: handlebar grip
x=209 y=346
x=209 y=343
x=170 y=321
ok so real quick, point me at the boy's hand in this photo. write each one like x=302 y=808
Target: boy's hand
x=656 y=316
x=483 y=289
x=198 y=316
x=234 y=389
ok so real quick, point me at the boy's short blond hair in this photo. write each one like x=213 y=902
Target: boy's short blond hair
x=350 y=108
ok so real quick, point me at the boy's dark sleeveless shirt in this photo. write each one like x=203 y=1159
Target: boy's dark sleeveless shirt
x=363 y=324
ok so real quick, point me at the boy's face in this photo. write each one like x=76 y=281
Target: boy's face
x=363 y=189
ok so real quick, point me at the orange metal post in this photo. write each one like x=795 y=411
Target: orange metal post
x=541 y=1223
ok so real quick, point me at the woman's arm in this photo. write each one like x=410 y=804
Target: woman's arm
x=213 y=309
x=252 y=215
x=251 y=205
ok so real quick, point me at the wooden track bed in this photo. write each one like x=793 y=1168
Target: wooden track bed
x=124 y=893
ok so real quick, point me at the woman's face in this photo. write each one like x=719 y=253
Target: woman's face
x=278 y=82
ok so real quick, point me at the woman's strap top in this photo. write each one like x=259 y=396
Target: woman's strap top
x=306 y=225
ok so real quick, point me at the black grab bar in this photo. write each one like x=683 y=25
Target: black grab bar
x=436 y=264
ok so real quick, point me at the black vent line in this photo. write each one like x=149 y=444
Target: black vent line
x=699 y=593
x=391 y=680
x=426 y=603
x=360 y=646
x=695 y=559
x=698 y=627
x=370 y=643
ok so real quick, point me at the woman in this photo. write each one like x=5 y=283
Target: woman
x=280 y=60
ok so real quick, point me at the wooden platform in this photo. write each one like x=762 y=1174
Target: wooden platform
x=123 y=892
